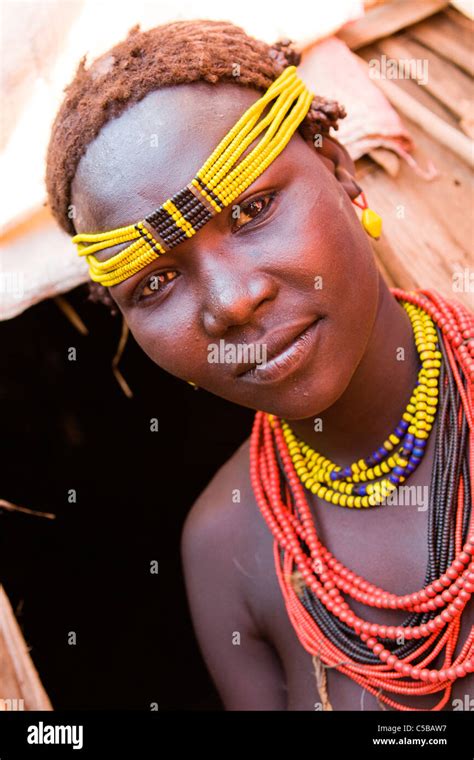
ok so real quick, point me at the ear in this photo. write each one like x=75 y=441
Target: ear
x=338 y=161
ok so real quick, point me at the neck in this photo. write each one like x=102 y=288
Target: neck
x=375 y=399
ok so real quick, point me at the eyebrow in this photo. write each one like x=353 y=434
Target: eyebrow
x=130 y=283
x=243 y=198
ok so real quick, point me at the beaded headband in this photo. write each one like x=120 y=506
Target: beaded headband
x=214 y=187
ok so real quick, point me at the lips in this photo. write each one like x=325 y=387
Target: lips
x=278 y=344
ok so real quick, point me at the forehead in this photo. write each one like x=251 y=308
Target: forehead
x=153 y=150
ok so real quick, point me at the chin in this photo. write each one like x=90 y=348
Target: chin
x=299 y=401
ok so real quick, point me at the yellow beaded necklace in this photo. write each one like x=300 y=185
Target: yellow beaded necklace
x=357 y=485
x=215 y=186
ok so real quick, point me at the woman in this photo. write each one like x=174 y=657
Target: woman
x=359 y=389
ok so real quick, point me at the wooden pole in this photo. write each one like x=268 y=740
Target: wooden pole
x=444 y=133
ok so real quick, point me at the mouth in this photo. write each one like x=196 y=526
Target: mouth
x=285 y=354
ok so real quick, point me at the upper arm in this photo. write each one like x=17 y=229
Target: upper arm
x=244 y=667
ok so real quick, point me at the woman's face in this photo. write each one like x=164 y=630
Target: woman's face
x=288 y=255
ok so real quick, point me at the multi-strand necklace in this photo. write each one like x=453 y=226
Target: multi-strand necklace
x=386 y=660
x=351 y=486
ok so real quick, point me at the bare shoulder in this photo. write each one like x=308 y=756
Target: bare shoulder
x=221 y=517
x=224 y=583
x=226 y=536
x=229 y=487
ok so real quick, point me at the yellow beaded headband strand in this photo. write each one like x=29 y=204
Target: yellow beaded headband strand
x=213 y=188
x=217 y=183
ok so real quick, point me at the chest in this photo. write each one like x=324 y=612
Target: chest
x=387 y=546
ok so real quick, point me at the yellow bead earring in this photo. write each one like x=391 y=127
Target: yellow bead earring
x=371 y=221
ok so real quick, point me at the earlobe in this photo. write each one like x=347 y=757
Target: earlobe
x=339 y=163
x=348 y=182
x=371 y=221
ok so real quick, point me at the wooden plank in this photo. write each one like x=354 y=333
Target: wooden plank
x=433 y=106
x=447 y=40
x=458 y=18
x=374 y=52
x=9 y=685
x=19 y=679
x=450 y=86
x=428 y=227
x=387 y=19
x=444 y=133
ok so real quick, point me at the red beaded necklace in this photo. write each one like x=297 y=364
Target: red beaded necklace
x=297 y=547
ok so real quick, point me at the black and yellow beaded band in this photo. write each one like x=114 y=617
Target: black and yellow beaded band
x=215 y=186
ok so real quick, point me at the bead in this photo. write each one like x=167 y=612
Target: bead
x=294 y=529
x=214 y=185
x=372 y=222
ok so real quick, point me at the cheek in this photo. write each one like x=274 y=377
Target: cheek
x=168 y=347
x=346 y=283
x=335 y=255
x=173 y=343
x=346 y=252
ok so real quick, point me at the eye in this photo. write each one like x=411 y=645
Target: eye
x=154 y=283
x=251 y=210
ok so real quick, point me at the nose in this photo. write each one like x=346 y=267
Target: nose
x=231 y=295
